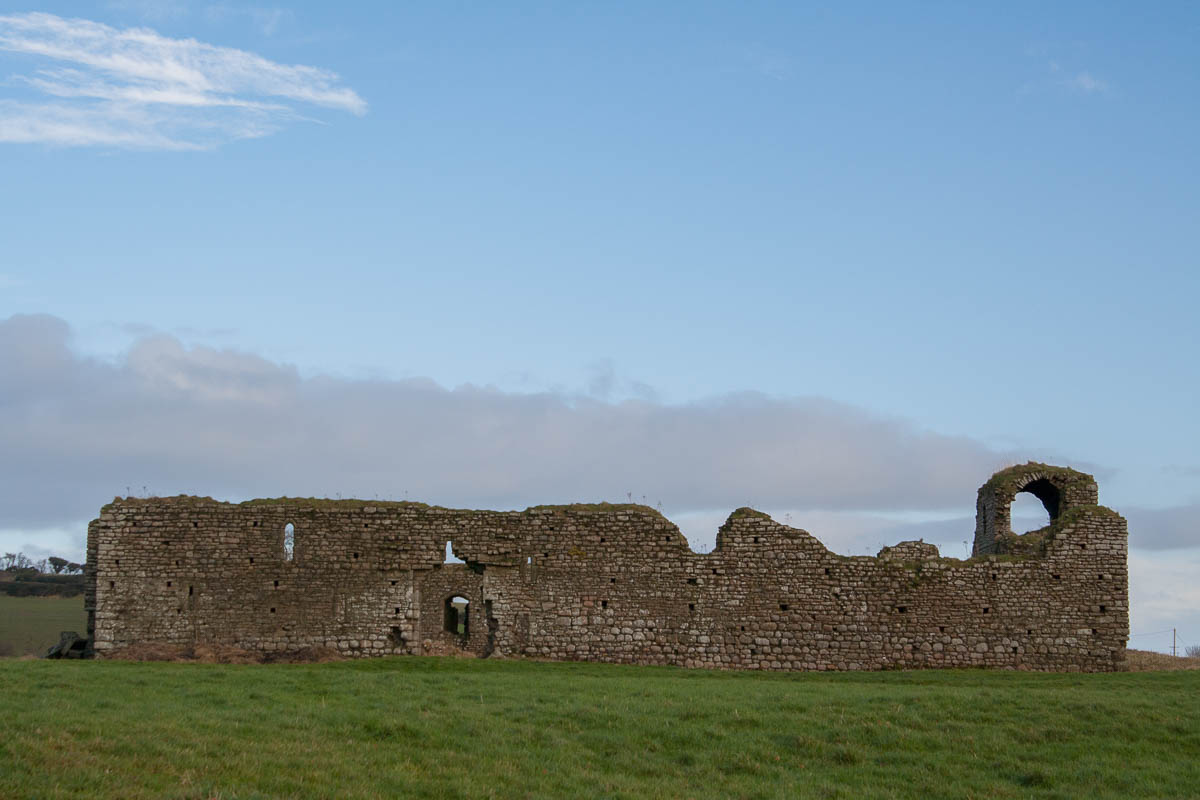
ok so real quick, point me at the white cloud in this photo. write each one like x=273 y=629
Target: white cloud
x=156 y=10
x=1086 y=82
x=200 y=420
x=135 y=88
x=266 y=19
x=1164 y=594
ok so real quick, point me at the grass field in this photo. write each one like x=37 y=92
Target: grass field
x=427 y=727
x=30 y=625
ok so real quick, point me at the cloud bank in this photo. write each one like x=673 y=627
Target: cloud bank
x=233 y=425
x=135 y=88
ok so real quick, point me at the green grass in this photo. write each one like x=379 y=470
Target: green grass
x=30 y=625
x=425 y=727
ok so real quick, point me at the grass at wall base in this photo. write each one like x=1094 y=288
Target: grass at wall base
x=440 y=727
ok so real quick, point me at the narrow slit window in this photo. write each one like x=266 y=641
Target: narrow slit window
x=289 y=542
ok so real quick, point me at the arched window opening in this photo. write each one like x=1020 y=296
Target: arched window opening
x=289 y=541
x=1034 y=507
x=1027 y=514
x=457 y=615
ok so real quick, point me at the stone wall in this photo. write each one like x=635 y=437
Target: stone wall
x=610 y=583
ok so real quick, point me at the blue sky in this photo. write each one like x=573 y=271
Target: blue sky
x=971 y=229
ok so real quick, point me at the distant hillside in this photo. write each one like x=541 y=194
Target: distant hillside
x=28 y=582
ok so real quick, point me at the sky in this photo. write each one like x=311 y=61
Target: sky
x=839 y=262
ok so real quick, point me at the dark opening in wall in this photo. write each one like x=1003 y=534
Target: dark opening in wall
x=1025 y=514
x=456 y=615
x=783 y=606
x=604 y=604
x=1103 y=609
x=987 y=610
x=168 y=584
x=276 y=584
x=901 y=609
x=191 y=590
x=112 y=584
x=272 y=610
x=289 y=542
x=692 y=581
x=691 y=606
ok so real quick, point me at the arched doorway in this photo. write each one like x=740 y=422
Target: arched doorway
x=456 y=616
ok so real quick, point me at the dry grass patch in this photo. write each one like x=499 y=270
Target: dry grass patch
x=1149 y=661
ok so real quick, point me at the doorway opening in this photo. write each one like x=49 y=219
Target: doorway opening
x=456 y=616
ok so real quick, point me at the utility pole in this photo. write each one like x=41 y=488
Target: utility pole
x=1173 y=643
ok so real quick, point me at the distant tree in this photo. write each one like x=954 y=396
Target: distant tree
x=7 y=560
x=22 y=561
x=40 y=566
x=1192 y=651
x=74 y=568
x=58 y=564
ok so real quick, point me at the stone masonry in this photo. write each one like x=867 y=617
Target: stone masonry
x=615 y=583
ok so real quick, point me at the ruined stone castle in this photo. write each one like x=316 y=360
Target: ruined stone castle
x=614 y=583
